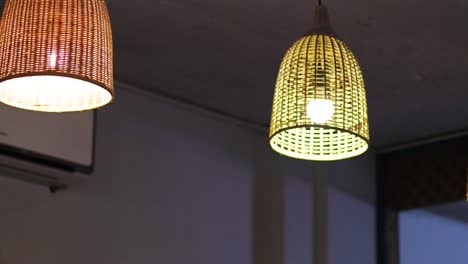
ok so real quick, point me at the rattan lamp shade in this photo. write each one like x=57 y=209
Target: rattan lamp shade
x=56 y=55
x=319 y=106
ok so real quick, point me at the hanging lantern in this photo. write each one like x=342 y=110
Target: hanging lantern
x=56 y=55
x=319 y=106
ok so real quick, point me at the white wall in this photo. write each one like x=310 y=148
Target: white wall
x=432 y=239
x=172 y=186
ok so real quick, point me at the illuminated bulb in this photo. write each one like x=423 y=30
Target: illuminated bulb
x=320 y=110
x=53 y=60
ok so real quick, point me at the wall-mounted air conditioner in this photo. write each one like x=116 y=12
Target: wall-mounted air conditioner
x=53 y=149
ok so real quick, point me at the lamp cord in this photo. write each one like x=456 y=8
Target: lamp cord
x=320 y=2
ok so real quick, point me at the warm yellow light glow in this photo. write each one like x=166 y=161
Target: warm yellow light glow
x=320 y=110
x=53 y=94
x=320 y=144
x=319 y=106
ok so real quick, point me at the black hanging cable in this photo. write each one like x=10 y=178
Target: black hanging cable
x=320 y=2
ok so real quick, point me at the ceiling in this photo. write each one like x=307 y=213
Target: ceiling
x=224 y=54
x=455 y=210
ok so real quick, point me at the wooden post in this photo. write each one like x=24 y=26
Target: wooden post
x=320 y=216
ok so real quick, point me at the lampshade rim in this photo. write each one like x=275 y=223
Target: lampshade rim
x=110 y=90
x=321 y=158
x=324 y=158
x=367 y=140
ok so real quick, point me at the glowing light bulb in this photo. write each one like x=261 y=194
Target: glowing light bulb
x=320 y=110
x=53 y=60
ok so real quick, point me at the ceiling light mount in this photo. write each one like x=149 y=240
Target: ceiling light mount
x=321 y=21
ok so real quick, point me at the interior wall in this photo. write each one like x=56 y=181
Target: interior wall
x=432 y=239
x=351 y=210
x=174 y=186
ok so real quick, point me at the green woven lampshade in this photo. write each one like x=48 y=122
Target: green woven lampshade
x=319 y=106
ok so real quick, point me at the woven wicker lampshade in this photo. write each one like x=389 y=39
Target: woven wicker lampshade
x=56 y=55
x=319 y=106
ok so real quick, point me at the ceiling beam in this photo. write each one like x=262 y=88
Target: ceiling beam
x=192 y=106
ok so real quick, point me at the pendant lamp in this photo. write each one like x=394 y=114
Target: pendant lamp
x=319 y=106
x=56 y=55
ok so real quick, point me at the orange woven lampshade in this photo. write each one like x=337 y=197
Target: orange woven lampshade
x=56 y=55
